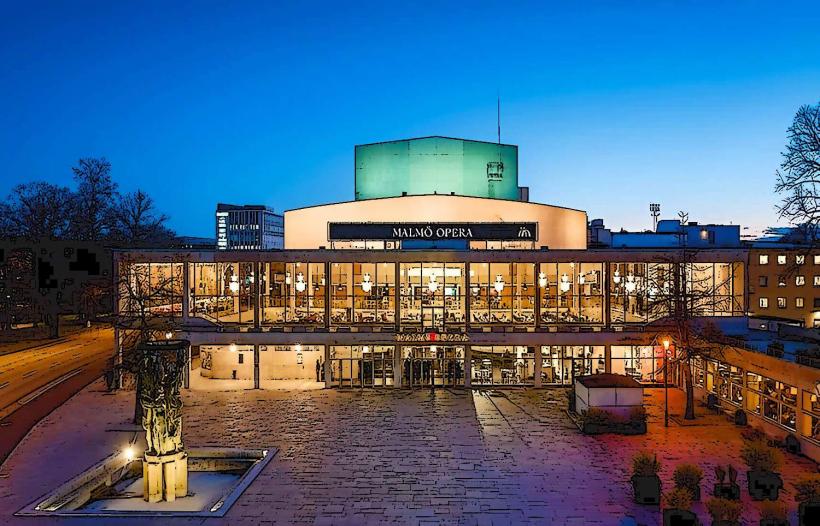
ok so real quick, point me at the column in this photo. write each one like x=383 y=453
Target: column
x=186 y=377
x=397 y=299
x=186 y=292
x=397 y=366
x=328 y=373
x=467 y=297
x=327 y=312
x=256 y=366
x=256 y=298
x=607 y=300
x=468 y=365
x=537 y=380
x=608 y=358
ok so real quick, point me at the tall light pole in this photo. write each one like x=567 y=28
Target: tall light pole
x=666 y=381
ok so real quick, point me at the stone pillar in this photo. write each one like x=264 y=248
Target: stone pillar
x=328 y=365
x=467 y=298
x=398 y=372
x=256 y=379
x=186 y=293
x=164 y=477
x=608 y=358
x=538 y=361
x=468 y=365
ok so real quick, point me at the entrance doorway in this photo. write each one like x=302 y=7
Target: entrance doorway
x=432 y=366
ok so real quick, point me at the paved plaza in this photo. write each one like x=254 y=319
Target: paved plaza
x=391 y=456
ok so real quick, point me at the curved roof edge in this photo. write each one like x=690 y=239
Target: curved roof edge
x=436 y=195
x=433 y=137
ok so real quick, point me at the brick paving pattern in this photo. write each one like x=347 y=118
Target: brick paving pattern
x=351 y=457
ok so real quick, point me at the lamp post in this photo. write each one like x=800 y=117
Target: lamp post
x=666 y=382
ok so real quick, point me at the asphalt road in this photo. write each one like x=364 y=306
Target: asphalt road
x=35 y=381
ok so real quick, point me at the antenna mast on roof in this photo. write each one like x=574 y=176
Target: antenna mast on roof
x=498 y=116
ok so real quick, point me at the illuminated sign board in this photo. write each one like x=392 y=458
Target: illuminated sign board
x=432 y=231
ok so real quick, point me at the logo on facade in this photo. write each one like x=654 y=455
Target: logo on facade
x=495 y=171
x=431 y=336
x=524 y=233
x=432 y=231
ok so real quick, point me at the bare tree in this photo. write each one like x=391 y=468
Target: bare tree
x=799 y=175
x=137 y=222
x=681 y=292
x=36 y=210
x=95 y=195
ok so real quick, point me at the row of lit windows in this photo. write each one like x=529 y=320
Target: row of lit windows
x=799 y=281
x=782 y=303
x=782 y=259
x=775 y=401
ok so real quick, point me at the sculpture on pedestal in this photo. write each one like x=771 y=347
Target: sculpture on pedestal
x=165 y=467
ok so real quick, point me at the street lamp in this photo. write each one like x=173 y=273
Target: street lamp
x=666 y=381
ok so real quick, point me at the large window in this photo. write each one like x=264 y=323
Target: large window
x=644 y=363
x=432 y=294
x=561 y=364
x=810 y=427
x=223 y=292
x=571 y=292
x=502 y=293
x=502 y=365
x=151 y=289
x=362 y=293
x=775 y=401
x=361 y=365
x=292 y=293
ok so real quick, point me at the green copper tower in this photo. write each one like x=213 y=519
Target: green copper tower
x=439 y=165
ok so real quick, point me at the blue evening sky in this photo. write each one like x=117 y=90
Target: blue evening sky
x=681 y=103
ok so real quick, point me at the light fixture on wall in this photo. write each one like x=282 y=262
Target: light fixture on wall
x=300 y=282
x=565 y=283
x=630 y=283
x=366 y=283
x=432 y=286
x=616 y=277
x=499 y=283
x=542 y=280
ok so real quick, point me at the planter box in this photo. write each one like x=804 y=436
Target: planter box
x=774 y=522
x=679 y=518
x=727 y=490
x=647 y=490
x=764 y=485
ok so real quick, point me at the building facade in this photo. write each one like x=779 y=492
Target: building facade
x=419 y=286
x=248 y=227
x=784 y=283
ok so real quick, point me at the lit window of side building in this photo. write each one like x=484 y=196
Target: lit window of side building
x=248 y=227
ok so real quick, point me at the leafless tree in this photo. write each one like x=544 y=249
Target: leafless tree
x=799 y=175
x=36 y=211
x=95 y=195
x=136 y=221
x=681 y=291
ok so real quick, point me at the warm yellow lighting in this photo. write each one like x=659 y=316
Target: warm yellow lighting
x=499 y=283
x=542 y=280
x=129 y=453
x=232 y=347
x=666 y=344
x=169 y=335
x=298 y=347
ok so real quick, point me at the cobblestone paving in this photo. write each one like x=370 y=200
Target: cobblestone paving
x=392 y=457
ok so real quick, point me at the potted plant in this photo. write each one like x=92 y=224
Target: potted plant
x=678 y=510
x=773 y=513
x=688 y=476
x=646 y=485
x=808 y=495
x=723 y=489
x=724 y=512
x=763 y=461
x=637 y=420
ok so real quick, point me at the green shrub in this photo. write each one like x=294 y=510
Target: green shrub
x=773 y=510
x=760 y=457
x=597 y=417
x=679 y=499
x=724 y=510
x=645 y=464
x=688 y=476
x=808 y=489
x=753 y=434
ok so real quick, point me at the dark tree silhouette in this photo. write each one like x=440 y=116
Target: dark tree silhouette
x=137 y=222
x=799 y=175
x=96 y=193
x=36 y=211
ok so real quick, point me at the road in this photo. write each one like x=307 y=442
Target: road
x=35 y=381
